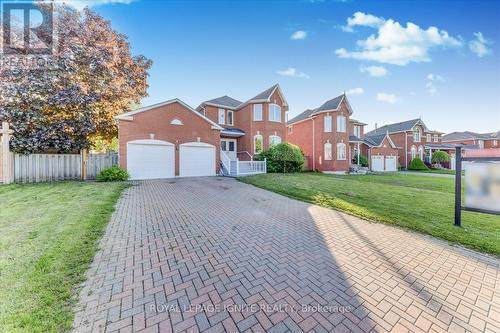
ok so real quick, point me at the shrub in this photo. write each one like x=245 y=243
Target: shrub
x=440 y=157
x=112 y=174
x=283 y=157
x=417 y=164
x=363 y=160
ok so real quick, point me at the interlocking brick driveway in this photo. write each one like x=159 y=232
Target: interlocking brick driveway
x=213 y=254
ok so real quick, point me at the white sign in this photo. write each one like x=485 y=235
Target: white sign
x=482 y=185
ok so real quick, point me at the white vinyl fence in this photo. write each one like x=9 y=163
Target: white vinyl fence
x=98 y=162
x=36 y=168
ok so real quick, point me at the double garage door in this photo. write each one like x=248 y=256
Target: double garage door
x=155 y=159
x=383 y=163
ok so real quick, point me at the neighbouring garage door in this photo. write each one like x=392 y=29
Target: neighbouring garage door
x=150 y=159
x=377 y=163
x=391 y=163
x=196 y=159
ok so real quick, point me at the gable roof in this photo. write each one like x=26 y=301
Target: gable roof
x=129 y=115
x=403 y=126
x=224 y=101
x=265 y=96
x=330 y=105
x=377 y=140
x=467 y=135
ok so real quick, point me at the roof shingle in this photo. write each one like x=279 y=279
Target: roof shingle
x=225 y=101
x=397 y=127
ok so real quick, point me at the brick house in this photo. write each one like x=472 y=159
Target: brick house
x=220 y=136
x=331 y=139
x=484 y=141
x=412 y=138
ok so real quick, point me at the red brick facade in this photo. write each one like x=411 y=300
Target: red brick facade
x=309 y=135
x=156 y=124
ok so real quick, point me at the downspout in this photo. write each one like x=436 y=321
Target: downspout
x=314 y=139
x=406 y=150
x=358 y=152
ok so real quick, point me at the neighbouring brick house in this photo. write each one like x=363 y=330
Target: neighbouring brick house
x=483 y=141
x=172 y=139
x=412 y=138
x=331 y=139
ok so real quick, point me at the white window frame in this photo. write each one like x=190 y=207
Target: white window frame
x=341 y=124
x=221 y=117
x=232 y=117
x=421 y=152
x=481 y=144
x=274 y=109
x=327 y=124
x=327 y=147
x=272 y=138
x=417 y=135
x=290 y=129
x=357 y=131
x=495 y=142
x=429 y=138
x=257 y=108
x=436 y=138
x=413 y=152
x=258 y=136
x=341 y=147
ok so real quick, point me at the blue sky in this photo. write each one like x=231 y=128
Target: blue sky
x=448 y=75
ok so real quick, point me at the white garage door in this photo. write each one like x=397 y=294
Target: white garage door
x=377 y=163
x=150 y=159
x=391 y=163
x=196 y=159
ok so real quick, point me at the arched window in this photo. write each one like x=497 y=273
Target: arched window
x=421 y=152
x=274 y=140
x=341 y=151
x=413 y=152
x=275 y=113
x=176 y=121
x=257 y=144
x=416 y=134
x=328 y=151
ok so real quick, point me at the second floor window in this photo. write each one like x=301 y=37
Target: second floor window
x=290 y=129
x=274 y=113
x=257 y=112
x=222 y=116
x=481 y=144
x=357 y=131
x=328 y=124
x=429 y=138
x=230 y=117
x=416 y=135
x=341 y=124
x=436 y=138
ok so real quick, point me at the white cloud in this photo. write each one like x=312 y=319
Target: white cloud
x=377 y=71
x=298 y=35
x=355 y=91
x=480 y=45
x=387 y=98
x=80 y=4
x=399 y=45
x=292 y=72
x=362 y=19
x=431 y=83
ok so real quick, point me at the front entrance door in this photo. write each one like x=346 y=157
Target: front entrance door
x=229 y=147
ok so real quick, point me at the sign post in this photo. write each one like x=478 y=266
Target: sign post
x=458 y=186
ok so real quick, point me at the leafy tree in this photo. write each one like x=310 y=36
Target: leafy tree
x=363 y=160
x=417 y=164
x=283 y=157
x=440 y=157
x=64 y=107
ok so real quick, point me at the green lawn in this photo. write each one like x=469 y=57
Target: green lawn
x=424 y=204
x=47 y=240
x=440 y=171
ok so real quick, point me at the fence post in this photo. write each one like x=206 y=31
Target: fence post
x=83 y=154
x=458 y=186
x=6 y=166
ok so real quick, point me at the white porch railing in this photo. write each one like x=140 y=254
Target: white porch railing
x=235 y=167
